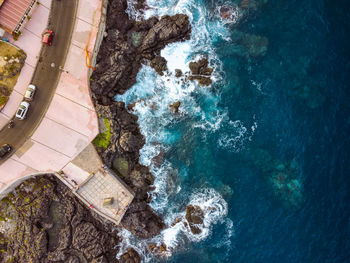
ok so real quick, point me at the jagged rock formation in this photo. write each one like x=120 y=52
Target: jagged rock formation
x=174 y=107
x=201 y=72
x=127 y=45
x=130 y=256
x=42 y=221
x=194 y=217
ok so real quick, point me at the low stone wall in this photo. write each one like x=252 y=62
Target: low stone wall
x=10 y=187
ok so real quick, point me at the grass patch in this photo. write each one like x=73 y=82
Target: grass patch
x=3 y=100
x=102 y=140
x=11 y=63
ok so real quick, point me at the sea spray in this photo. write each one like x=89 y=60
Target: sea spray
x=199 y=113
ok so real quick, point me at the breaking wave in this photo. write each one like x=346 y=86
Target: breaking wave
x=199 y=112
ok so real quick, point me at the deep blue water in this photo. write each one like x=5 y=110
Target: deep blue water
x=289 y=171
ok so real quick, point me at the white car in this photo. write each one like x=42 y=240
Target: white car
x=30 y=91
x=22 y=110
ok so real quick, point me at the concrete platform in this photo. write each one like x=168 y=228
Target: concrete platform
x=91 y=183
x=104 y=184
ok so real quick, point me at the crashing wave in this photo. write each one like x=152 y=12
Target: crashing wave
x=151 y=97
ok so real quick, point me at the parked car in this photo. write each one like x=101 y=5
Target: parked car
x=5 y=149
x=48 y=37
x=22 y=110
x=30 y=91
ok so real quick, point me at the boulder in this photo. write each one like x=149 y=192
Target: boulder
x=200 y=67
x=203 y=81
x=158 y=249
x=158 y=159
x=159 y=64
x=176 y=221
x=201 y=72
x=194 y=217
x=141 y=221
x=130 y=142
x=73 y=259
x=174 y=107
x=178 y=73
x=130 y=256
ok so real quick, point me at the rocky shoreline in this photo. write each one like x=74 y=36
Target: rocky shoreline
x=127 y=45
x=42 y=221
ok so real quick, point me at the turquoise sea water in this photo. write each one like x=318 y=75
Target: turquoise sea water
x=267 y=145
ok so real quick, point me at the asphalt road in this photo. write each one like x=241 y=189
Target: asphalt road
x=45 y=77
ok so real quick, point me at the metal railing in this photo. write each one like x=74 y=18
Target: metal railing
x=27 y=13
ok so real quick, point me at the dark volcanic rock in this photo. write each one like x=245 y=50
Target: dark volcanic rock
x=140 y=220
x=127 y=45
x=130 y=142
x=201 y=72
x=178 y=73
x=175 y=107
x=160 y=250
x=82 y=237
x=194 y=217
x=130 y=256
x=158 y=159
x=200 y=67
x=87 y=239
x=159 y=64
x=203 y=81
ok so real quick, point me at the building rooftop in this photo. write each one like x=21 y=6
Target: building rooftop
x=13 y=13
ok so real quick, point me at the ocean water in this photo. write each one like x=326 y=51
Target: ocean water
x=264 y=151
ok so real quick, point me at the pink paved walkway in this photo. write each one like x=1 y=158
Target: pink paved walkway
x=70 y=123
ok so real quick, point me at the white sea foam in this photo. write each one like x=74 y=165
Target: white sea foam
x=129 y=241
x=132 y=11
x=215 y=210
x=235 y=13
x=177 y=55
x=153 y=94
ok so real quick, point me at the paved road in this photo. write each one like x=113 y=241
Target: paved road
x=45 y=77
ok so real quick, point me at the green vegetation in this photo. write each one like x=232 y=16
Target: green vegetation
x=135 y=38
x=3 y=100
x=16 y=35
x=11 y=62
x=102 y=140
x=121 y=167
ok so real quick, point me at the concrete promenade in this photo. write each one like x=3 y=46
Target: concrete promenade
x=62 y=140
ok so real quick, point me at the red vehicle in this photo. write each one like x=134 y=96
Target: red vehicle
x=47 y=37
